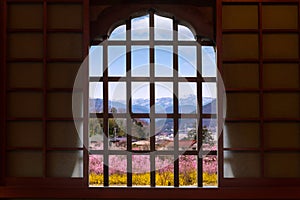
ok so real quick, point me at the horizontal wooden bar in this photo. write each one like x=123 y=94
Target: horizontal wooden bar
x=266 y=90
x=68 y=90
x=243 y=149
x=41 y=148
x=40 y=119
x=229 y=31
x=263 y=183
x=59 y=190
x=65 y=30
x=260 y=1
x=264 y=120
x=264 y=60
x=238 y=60
x=64 y=59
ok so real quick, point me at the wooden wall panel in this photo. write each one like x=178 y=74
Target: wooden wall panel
x=20 y=74
x=241 y=75
x=23 y=104
x=17 y=129
x=242 y=46
x=25 y=15
x=276 y=132
x=62 y=74
x=65 y=16
x=240 y=16
x=268 y=67
x=44 y=51
x=31 y=162
x=241 y=135
x=25 y=45
x=281 y=75
x=280 y=16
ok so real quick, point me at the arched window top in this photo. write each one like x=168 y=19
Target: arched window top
x=197 y=18
x=119 y=33
x=163 y=29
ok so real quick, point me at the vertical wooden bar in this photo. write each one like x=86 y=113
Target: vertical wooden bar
x=86 y=42
x=45 y=85
x=261 y=93
x=299 y=46
x=3 y=27
x=105 y=113
x=298 y=51
x=152 y=101
x=200 y=114
x=220 y=94
x=129 y=106
x=175 y=103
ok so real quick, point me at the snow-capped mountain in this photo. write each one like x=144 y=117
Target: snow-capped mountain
x=187 y=104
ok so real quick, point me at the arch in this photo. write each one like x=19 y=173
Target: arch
x=200 y=19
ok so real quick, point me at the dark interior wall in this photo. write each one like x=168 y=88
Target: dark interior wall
x=43 y=54
x=258 y=51
x=260 y=65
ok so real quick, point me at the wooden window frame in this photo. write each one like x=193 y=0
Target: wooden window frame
x=175 y=79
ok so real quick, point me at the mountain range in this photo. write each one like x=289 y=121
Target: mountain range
x=162 y=105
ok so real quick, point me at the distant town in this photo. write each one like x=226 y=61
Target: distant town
x=164 y=127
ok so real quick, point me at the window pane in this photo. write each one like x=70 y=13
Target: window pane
x=210 y=170
x=117 y=170
x=117 y=134
x=118 y=33
x=140 y=132
x=209 y=96
x=187 y=61
x=184 y=33
x=140 y=61
x=209 y=132
x=164 y=170
x=164 y=97
x=188 y=170
x=116 y=61
x=187 y=97
x=141 y=170
x=164 y=134
x=96 y=97
x=209 y=67
x=96 y=61
x=95 y=134
x=140 y=94
x=117 y=97
x=140 y=28
x=163 y=61
x=187 y=134
x=163 y=28
x=96 y=170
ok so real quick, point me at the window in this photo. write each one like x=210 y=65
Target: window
x=152 y=107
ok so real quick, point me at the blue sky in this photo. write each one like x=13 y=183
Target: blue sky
x=163 y=61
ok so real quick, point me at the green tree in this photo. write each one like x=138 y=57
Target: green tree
x=138 y=130
x=208 y=136
x=95 y=126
